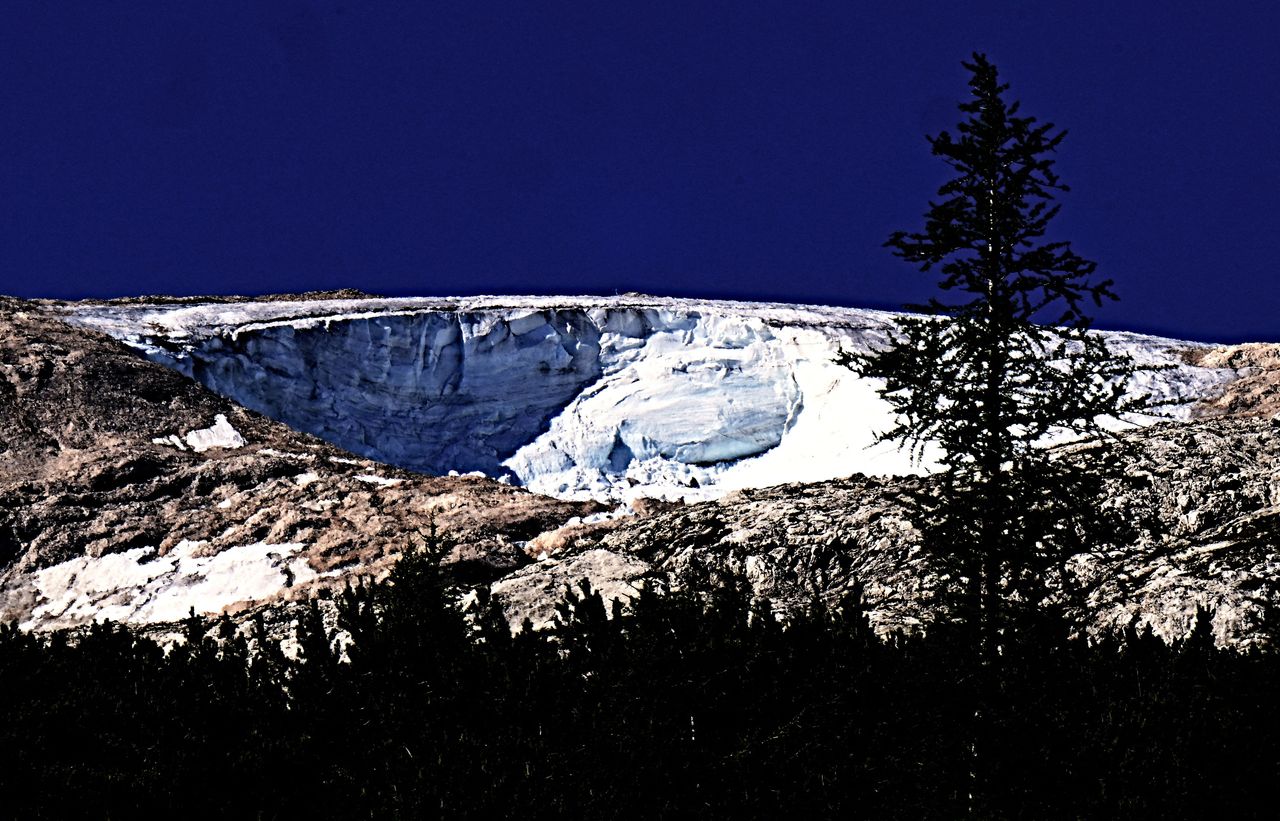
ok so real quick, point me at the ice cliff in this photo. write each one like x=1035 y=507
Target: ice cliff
x=577 y=397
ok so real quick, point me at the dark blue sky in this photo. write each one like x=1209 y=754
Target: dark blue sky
x=727 y=149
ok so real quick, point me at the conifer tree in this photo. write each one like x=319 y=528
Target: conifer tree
x=1001 y=360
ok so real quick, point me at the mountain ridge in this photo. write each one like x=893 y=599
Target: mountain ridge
x=107 y=508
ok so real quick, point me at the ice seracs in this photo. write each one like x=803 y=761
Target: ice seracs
x=578 y=397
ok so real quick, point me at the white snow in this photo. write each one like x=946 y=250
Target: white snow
x=381 y=481
x=220 y=435
x=310 y=457
x=140 y=587
x=580 y=397
x=171 y=440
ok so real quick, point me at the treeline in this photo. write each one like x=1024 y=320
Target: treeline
x=675 y=705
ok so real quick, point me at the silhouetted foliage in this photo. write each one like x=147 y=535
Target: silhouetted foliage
x=677 y=704
x=1005 y=360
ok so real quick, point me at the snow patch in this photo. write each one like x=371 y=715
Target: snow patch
x=381 y=481
x=141 y=587
x=286 y=454
x=220 y=435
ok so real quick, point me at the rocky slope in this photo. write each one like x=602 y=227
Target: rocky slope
x=130 y=492
x=1203 y=497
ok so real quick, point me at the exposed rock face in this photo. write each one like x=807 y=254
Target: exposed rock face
x=1204 y=498
x=1256 y=392
x=533 y=592
x=130 y=492
x=791 y=542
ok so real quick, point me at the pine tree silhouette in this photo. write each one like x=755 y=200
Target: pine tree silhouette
x=1005 y=360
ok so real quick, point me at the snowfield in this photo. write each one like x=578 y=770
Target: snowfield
x=608 y=398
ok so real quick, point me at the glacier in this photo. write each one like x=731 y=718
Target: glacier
x=588 y=397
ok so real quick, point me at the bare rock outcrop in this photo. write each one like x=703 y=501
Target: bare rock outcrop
x=1256 y=392
x=1203 y=499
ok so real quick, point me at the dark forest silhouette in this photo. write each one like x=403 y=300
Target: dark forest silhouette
x=677 y=704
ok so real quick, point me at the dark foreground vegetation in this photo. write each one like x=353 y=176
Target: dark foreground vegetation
x=677 y=706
